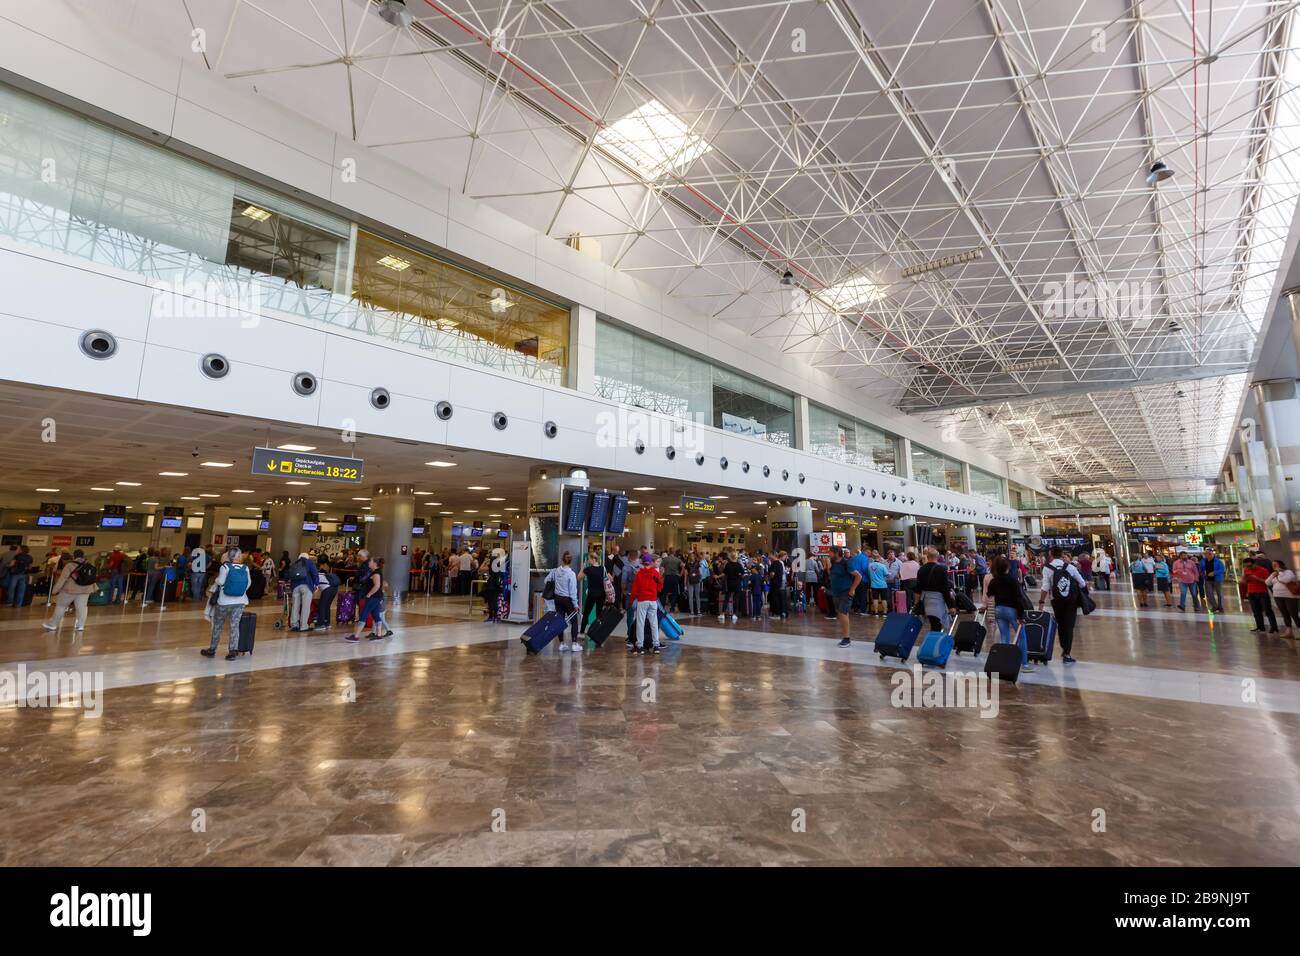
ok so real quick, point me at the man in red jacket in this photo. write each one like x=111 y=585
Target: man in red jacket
x=646 y=586
x=1256 y=574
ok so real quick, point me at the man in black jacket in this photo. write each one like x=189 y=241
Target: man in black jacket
x=935 y=591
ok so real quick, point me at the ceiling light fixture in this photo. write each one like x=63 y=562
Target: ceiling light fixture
x=1158 y=173
x=441 y=464
x=173 y=474
x=289 y=447
x=216 y=464
x=256 y=213
x=128 y=484
x=394 y=263
x=934 y=265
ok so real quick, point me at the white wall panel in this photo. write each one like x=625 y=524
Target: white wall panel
x=60 y=363
x=171 y=375
x=73 y=293
x=372 y=365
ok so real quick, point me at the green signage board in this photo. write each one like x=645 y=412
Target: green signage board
x=275 y=463
x=1229 y=527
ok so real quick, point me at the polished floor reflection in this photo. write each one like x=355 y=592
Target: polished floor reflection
x=754 y=743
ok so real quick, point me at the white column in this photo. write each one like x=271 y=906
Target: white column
x=389 y=535
x=286 y=525
x=904 y=466
x=965 y=478
x=801 y=423
x=216 y=521
x=582 y=349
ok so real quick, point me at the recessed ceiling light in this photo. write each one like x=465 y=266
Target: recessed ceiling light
x=629 y=501
x=128 y=484
x=496 y=499
x=288 y=447
x=365 y=507
x=424 y=492
x=253 y=509
x=215 y=464
x=148 y=502
x=674 y=514
x=173 y=474
x=95 y=488
x=322 y=502
x=470 y=511
x=643 y=488
x=360 y=499
x=188 y=498
x=47 y=489
x=256 y=213
x=760 y=502
x=201 y=495
x=441 y=464
x=242 y=491
x=719 y=497
x=297 y=482
x=479 y=488
x=494 y=516
x=510 y=509
x=395 y=263
x=445 y=512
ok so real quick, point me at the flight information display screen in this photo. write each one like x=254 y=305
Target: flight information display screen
x=598 y=517
x=576 y=516
x=617 y=515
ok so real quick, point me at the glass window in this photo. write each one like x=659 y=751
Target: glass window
x=644 y=373
x=845 y=439
x=458 y=314
x=935 y=469
x=986 y=485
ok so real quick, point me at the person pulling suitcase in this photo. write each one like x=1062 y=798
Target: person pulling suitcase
x=232 y=597
x=1063 y=581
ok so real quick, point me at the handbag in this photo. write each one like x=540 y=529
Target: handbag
x=548 y=589
x=1085 y=601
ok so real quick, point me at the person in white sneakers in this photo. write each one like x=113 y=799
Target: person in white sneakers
x=75 y=585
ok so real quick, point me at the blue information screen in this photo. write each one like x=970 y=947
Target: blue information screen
x=617 y=515
x=49 y=521
x=171 y=523
x=109 y=521
x=598 y=517
x=576 y=517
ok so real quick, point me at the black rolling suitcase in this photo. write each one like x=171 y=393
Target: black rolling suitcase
x=247 y=632
x=546 y=629
x=608 y=619
x=1003 y=661
x=970 y=635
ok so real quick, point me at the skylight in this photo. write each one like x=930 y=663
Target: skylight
x=652 y=141
x=852 y=293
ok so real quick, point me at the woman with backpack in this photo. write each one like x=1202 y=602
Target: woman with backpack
x=75 y=584
x=231 y=588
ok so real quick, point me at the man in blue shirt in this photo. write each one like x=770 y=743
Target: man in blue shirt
x=1212 y=571
x=844 y=582
x=860 y=563
x=878 y=575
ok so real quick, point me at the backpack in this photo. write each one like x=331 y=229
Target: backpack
x=1064 y=588
x=236 y=581
x=84 y=574
x=298 y=573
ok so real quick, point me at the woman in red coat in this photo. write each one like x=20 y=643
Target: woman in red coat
x=1256 y=575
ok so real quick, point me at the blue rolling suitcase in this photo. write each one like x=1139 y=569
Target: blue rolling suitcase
x=1040 y=635
x=668 y=626
x=936 y=648
x=546 y=629
x=897 y=635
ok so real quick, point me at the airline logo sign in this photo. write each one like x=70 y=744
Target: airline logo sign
x=272 y=462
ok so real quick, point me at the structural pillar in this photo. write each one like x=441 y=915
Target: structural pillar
x=216 y=521
x=640 y=531
x=286 y=525
x=965 y=533
x=1279 y=417
x=801 y=422
x=789 y=526
x=903 y=451
x=545 y=529
x=388 y=537
x=581 y=375
x=901 y=533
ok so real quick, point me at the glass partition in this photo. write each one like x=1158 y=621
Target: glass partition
x=644 y=373
x=217 y=246
x=986 y=485
x=935 y=469
x=843 y=438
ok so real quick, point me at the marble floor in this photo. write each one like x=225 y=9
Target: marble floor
x=1173 y=741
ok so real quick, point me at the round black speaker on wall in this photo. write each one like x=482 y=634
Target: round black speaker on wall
x=744 y=466
x=766 y=471
x=640 y=447
x=801 y=477
x=380 y=398
x=550 y=429
x=98 y=344
x=722 y=463
x=699 y=458
x=500 y=421
x=304 y=383
x=214 y=366
x=837 y=486
x=785 y=474
x=670 y=452
x=443 y=410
